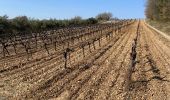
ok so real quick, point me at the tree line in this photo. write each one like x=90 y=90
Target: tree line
x=158 y=10
x=25 y=25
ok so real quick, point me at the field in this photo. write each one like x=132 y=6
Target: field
x=124 y=60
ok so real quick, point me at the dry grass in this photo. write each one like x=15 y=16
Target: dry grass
x=162 y=26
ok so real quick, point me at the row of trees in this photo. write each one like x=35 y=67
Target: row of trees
x=23 y=24
x=158 y=10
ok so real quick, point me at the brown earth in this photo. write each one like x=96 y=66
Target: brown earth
x=132 y=66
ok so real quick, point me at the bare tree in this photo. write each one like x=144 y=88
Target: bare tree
x=104 y=16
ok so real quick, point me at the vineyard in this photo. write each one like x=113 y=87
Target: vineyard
x=123 y=60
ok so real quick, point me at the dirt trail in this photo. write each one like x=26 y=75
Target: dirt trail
x=134 y=65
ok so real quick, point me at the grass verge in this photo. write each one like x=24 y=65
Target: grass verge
x=162 y=26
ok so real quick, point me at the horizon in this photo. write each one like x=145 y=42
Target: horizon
x=129 y=9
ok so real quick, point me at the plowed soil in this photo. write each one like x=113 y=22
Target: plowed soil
x=132 y=66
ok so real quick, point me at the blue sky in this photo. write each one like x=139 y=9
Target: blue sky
x=63 y=9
